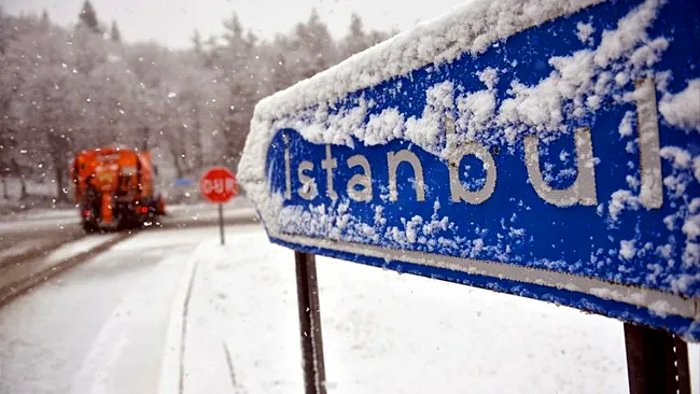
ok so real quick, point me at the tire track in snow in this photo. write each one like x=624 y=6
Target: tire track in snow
x=229 y=363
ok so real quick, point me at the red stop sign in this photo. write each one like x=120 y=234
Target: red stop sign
x=218 y=185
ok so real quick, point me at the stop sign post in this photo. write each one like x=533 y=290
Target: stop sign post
x=219 y=185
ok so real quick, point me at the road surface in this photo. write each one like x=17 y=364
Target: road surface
x=102 y=324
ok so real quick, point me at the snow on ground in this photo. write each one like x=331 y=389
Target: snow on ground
x=77 y=247
x=235 y=203
x=39 y=219
x=244 y=302
x=386 y=333
x=60 y=218
x=44 y=189
x=237 y=207
x=41 y=214
x=113 y=325
x=17 y=249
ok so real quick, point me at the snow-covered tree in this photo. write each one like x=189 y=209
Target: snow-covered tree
x=63 y=90
x=88 y=18
x=114 y=33
x=357 y=39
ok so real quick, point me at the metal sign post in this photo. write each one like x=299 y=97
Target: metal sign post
x=310 y=324
x=221 y=222
x=657 y=362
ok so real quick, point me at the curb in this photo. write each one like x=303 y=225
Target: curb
x=171 y=371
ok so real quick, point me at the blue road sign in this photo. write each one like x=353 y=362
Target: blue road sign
x=183 y=182
x=546 y=151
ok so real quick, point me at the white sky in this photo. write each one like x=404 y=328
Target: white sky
x=171 y=22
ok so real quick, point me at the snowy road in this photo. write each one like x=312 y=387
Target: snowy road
x=101 y=324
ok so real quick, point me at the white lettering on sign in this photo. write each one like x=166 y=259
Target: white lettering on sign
x=207 y=186
x=583 y=189
x=364 y=180
x=458 y=191
x=218 y=185
x=329 y=164
x=651 y=195
x=581 y=192
x=308 y=189
x=287 y=169
x=393 y=160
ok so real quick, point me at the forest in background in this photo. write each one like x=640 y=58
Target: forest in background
x=64 y=89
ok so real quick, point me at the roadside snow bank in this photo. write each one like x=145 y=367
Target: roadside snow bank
x=384 y=332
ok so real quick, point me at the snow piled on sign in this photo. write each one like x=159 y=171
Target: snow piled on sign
x=683 y=108
x=683 y=169
x=331 y=109
x=335 y=223
x=471 y=28
x=578 y=85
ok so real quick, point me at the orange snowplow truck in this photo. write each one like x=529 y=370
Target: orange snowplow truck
x=114 y=188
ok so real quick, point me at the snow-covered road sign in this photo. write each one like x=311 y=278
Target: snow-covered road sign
x=547 y=149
